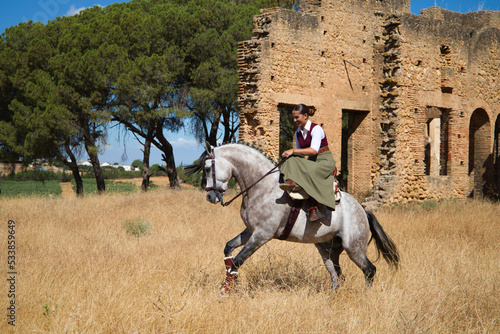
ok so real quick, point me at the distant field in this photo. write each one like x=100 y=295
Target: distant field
x=152 y=263
x=90 y=186
x=27 y=188
x=53 y=188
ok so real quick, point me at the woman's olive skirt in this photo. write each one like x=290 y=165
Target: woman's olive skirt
x=314 y=175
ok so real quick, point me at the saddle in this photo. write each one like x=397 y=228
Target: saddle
x=300 y=194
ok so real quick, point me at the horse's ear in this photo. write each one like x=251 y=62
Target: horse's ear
x=208 y=148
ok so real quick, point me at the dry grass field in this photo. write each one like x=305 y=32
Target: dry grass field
x=152 y=263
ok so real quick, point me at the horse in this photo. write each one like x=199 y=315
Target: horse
x=265 y=211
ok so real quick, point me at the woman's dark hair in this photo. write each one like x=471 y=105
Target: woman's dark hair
x=303 y=109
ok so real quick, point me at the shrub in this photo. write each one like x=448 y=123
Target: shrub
x=137 y=227
x=194 y=179
x=156 y=171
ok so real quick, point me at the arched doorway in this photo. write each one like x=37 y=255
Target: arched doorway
x=496 y=156
x=480 y=157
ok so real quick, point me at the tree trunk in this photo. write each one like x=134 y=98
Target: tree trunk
x=167 y=156
x=226 y=123
x=145 y=165
x=73 y=165
x=230 y=125
x=99 y=176
x=78 y=181
x=91 y=148
x=146 y=154
x=212 y=139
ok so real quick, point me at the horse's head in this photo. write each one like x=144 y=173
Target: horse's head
x=217 y=173
x=246 y=164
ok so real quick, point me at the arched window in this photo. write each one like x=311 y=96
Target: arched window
x=480 y=157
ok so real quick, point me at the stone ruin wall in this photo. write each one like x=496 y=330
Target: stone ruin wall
x=389 y=64
x=442 y=72
x=276 y=69
x=302 y=61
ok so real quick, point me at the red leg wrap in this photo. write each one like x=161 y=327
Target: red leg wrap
x=229 y=282
x=228 y=261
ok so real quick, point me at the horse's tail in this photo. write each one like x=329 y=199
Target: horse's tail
x=384 y=244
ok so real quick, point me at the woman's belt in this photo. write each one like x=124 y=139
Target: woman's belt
x=323 y=149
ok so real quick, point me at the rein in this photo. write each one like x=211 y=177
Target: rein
x=220 y=192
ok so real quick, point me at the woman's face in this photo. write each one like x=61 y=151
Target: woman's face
x=299 y=119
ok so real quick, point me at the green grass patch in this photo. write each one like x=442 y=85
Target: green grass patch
x=429 y=205
x=137 y=227
x=29 y=188
x=90 y=186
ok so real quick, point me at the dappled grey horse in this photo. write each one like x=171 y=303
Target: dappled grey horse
x=265 y=210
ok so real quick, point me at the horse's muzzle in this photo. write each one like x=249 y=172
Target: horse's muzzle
x=212 y=197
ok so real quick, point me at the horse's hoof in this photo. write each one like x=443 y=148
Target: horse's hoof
x=222 y=294
x=224 y=291
x=229 y=283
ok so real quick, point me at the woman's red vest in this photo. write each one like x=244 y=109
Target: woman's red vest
x=305 y=143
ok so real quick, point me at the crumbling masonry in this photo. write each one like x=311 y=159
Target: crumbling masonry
x=420 y=93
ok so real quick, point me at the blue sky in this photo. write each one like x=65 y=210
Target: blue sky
x=186 y=150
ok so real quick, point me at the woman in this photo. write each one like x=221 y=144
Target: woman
x=315 y=174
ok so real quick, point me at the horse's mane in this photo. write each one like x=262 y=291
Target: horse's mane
x=200 y=163
x=258 y=149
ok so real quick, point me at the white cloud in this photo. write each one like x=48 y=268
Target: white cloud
x=73 y=11
x=184 y=142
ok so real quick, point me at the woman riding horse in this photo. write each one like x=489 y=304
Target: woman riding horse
x=265 y=213
x=315 y=174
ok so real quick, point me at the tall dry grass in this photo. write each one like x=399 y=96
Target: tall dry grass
x=79 y=254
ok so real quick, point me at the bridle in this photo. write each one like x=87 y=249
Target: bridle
x=219 y=192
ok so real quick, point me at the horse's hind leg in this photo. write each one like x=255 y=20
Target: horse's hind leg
x=334 y=256
x=330 y=253
x=358 y=256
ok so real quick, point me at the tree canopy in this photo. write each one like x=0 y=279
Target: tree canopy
x=150 y=65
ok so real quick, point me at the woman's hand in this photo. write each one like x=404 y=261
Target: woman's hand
x=287 y=153
x=300 y=151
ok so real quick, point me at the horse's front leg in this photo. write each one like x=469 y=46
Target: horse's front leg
x=253 y=242
x=240 y=240
x=236 y=242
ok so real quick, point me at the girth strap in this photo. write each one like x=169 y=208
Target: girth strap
x=292 y=218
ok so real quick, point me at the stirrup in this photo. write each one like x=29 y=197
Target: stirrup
x=298 y=195
x=286 y=187
x=318 y=214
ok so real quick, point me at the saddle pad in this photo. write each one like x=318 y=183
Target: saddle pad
x=336 y=190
